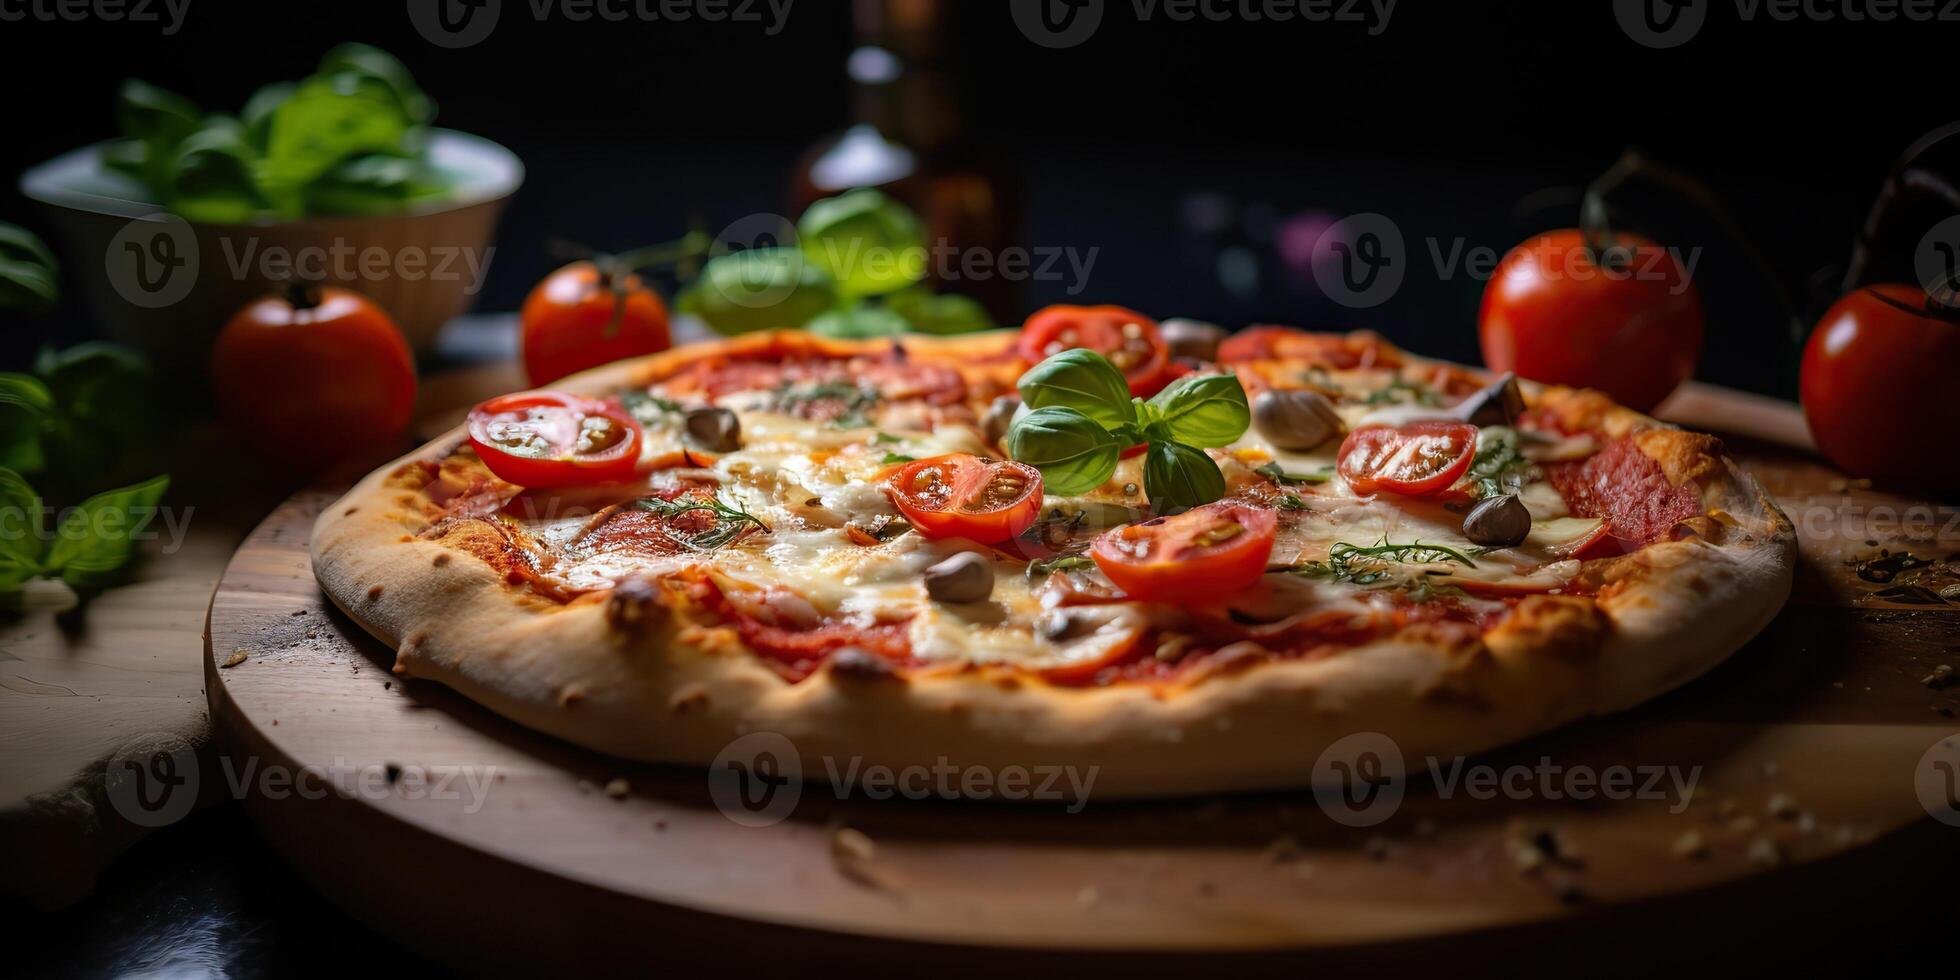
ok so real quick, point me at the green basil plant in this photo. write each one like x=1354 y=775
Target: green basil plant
x=857 y=270
x=1081 y=417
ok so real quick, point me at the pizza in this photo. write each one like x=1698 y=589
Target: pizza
x=1193 y=561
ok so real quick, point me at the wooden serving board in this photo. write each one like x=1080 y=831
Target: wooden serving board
x=491 y=846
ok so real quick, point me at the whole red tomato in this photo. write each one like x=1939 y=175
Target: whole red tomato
x=583 y=316
x=1877 y=385
x=313 y=375
x=1626 y=321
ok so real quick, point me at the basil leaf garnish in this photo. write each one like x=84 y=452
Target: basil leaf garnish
x=1203 y=410
x=1177 y=477
x=1082 y=380
x=1074 y=453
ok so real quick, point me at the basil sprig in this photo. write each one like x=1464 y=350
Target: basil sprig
x=90 y=545
x=1082 y=418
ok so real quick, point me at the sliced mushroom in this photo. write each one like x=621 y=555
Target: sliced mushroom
x=1500 y=403
x=1295 y=420
x=716 y=430
x=1000 y=415
x=1194 y=339
x=1498 y=522
x=965 y=577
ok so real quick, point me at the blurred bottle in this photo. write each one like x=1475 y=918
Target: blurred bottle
x=908 y=138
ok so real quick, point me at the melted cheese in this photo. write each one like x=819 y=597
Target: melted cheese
x=809 y=481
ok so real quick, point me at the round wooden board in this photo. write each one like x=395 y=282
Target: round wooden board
x=489 y=845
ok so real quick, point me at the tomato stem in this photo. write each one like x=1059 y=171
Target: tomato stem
x=1905 y=182
x=301 y=294
x=1597 y=234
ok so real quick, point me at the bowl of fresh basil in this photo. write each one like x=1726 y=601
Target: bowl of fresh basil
x=338 y=177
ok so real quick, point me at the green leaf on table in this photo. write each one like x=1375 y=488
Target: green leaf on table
x=1074 y=453
x=1203 y=410
x=21 y=540
x=96 y=538
x=1177 y=477
x=105 y=386
x=759 y=289
x=930 y=312
x=869 y=243
x=1082 y=380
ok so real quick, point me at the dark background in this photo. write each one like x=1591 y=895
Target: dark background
x=1450 y=122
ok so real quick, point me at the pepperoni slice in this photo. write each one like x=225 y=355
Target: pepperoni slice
x=1627 y=487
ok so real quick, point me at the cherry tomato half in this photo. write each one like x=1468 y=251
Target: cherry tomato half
x=1129 y=339
x=966 y=496
x=1204 y=554
x=1632 y=329
x=1415 y=459
x=1877 y=386
x=581 y=317
x=550 y=439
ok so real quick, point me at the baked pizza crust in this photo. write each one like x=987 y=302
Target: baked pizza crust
x=622 y=673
